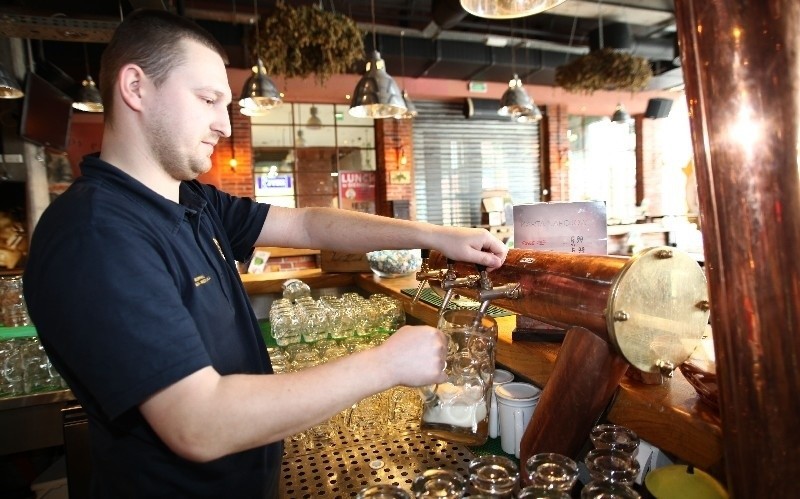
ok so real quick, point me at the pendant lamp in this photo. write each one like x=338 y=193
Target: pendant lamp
x=9 y=88
x=88 y=98
x=376 y=94
x=621 y=115
x=515 y=101
x=259 y=93
x=507 y=9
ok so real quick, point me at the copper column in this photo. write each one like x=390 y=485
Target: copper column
x=741 y=62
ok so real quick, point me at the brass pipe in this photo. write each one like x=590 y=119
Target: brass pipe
x=741 y=65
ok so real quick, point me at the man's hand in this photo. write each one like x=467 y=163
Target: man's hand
x=416 y=355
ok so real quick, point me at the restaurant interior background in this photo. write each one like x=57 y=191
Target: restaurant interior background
x=436 y=167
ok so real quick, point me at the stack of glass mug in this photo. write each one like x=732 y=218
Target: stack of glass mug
x=24 y=366
x=310 y=332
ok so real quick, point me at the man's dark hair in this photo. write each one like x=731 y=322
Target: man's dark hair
x=152 y=40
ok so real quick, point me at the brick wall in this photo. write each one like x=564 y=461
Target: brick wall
x=292 y=263
x=555 y=154
x=395 y=151
x=236 y=180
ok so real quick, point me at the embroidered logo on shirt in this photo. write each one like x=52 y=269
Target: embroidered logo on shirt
x=200 y=280
x=219 y=248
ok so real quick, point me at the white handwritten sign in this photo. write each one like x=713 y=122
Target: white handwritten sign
x=566 y=227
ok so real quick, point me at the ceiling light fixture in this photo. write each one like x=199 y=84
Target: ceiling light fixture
x=259 y=93
x=515 y=100
x=9 y=87
x=376 y=94
x=507 y=9
x=621 y=115
x=89 y=99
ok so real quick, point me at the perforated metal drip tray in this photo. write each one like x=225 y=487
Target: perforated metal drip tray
x=355 y=461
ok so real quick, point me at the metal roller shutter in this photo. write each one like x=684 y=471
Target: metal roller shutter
x=456 y=159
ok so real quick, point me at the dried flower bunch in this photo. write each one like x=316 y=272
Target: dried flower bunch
x=604 y=69
x=306 y=40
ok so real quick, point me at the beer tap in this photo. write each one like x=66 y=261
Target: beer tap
x=488 y=292
x=425 y=274
x=451 y=281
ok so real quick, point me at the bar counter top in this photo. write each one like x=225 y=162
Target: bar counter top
x=670 y=415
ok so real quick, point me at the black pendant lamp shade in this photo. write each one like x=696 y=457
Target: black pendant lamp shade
x=89 y=99
x=621 y=115
x=259 y=92
x=515 y=100
x=377 y=94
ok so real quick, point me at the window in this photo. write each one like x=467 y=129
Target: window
x=300 y=149
x=602 y=165
x=456 y=160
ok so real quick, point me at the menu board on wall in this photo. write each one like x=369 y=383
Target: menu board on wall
x=566 y=227
x=357 y=190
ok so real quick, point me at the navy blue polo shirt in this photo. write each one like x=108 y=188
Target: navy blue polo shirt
x=131 y=292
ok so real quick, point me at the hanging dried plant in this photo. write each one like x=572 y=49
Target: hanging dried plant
x=304 y=41
x=604 y=69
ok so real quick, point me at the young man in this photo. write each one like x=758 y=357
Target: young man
x=132 y=285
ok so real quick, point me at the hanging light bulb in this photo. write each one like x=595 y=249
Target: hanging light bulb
x=507 y=9
x=9 y=87
x=376 y=94
x=259 y=93
x=515 y=100
x=621 y=115
x=89 y=99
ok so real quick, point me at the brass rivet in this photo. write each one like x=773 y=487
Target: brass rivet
x=620 y=315
x=703 y=305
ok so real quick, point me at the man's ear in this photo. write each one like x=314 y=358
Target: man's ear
x=129 y=85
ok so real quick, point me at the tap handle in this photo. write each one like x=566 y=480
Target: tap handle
x=481 y=268
x=426 y=253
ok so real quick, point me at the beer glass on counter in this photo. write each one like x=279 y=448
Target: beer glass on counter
x=457 y=410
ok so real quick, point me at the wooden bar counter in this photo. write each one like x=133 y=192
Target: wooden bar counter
x=669 y=415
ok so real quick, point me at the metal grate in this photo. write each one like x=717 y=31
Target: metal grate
x=432 y=298
x=355 y=461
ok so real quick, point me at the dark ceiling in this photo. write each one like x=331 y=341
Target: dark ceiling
x=440 y=40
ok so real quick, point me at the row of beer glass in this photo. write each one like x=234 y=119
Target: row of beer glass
x=611 y=464
x=310 y=332
x=331 y=317
x=25 y=368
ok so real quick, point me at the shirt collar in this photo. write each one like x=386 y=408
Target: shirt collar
x=190 y=202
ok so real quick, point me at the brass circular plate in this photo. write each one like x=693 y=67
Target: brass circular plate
x=658 y=309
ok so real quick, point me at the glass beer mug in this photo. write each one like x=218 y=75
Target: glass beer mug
x=457 y=410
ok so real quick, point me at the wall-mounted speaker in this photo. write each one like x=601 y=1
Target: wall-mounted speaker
x=658 y=108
